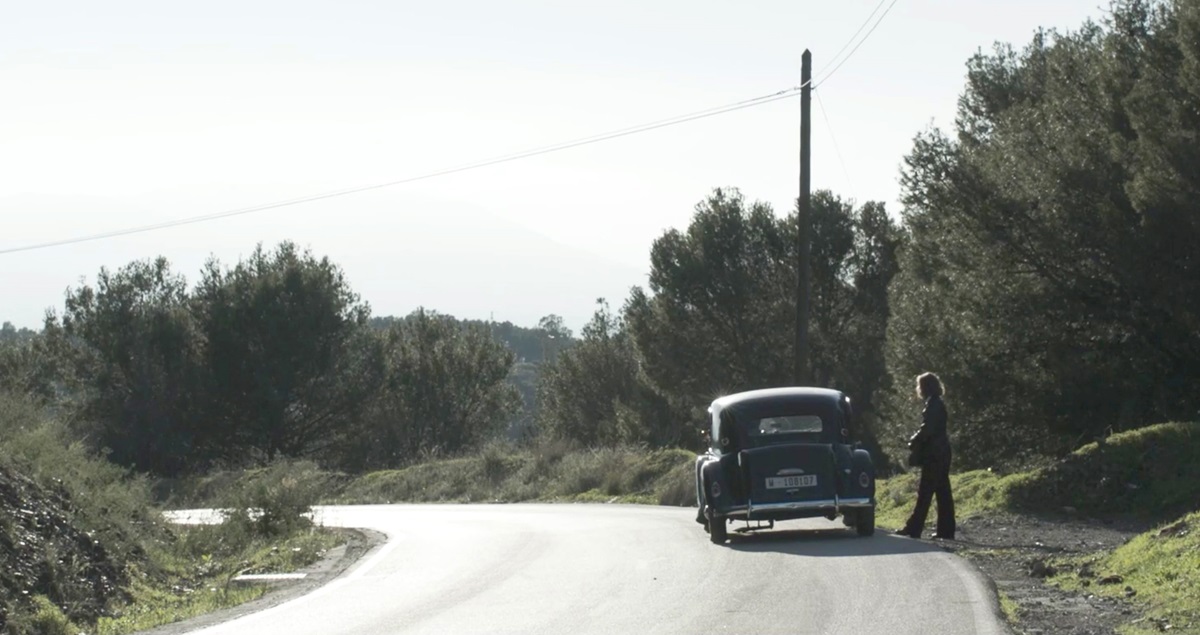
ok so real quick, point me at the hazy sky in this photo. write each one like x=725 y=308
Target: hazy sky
x=122 y=114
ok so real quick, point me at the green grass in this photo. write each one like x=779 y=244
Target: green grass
x=193 y=575
x=265 y=531
x=43 y=618
x=1010 y=609
x=170 y=573
x=550 y=472
x=1151 y=474
x=975 y=492
x=1160 y=567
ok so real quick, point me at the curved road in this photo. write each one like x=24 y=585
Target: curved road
x=554 y=569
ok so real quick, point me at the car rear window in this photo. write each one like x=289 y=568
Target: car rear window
x=789 y=423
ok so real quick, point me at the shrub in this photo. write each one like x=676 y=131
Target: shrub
x=277 y=500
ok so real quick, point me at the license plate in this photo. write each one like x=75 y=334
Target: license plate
x=785 y=482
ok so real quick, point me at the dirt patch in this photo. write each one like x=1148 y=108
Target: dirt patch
x=1015 y=551
x=45 y=554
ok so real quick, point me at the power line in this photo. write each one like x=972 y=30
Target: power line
x=836 y=149
x=661 y=123
x=860 y=43
x=860 y=28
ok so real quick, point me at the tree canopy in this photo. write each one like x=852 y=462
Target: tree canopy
x=1052 y=272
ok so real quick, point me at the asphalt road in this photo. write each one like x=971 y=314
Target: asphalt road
x=555 y=569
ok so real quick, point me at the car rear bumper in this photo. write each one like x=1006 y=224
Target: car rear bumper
x=797 y=509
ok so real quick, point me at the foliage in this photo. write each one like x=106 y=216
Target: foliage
x=45 y=618
x=525 y=377
x=975 y=492
x=106 y=500
x=532 y=349
x=69 y=522
x=275 y=500
x=446 y=390
x=1050 y=276
x=594 y=394
x=1147 y=474
x=530 y=345
x=28 y=365
x=548 y=470
x=719 y=319
x=131 y=346
x=1159 y=570
x=10 y=334
x=720 y=315
x=193 y=574
x=270 y=358
x=289 y=364
x=1150 y=472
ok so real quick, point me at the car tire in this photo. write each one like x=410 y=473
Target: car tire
x=865 y=522
x=848 y=518
x=717 y=531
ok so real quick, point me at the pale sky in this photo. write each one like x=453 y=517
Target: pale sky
x=122 y=114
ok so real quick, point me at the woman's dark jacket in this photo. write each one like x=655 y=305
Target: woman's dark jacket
x=932 y=436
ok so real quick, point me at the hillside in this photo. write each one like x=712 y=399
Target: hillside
x=48 y=561
x=1102 y=541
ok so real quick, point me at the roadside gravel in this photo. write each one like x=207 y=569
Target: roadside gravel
x=1013 y=550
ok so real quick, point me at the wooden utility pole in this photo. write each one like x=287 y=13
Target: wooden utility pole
x=803 y=218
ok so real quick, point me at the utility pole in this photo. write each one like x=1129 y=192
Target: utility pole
x=804 y=222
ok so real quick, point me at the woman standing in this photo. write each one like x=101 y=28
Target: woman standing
x=932 y=444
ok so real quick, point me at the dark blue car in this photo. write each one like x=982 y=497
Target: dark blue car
x=781 y=454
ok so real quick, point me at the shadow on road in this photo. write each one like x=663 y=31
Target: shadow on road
x=827 y=543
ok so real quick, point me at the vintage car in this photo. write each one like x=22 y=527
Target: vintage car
x=781 y=454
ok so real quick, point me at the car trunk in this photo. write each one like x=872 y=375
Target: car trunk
x=791 y=473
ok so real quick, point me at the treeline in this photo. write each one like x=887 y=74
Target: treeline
x=273 y=357
x=276 y=357
x=1051 y=271
x=1044 y=263
x=719 y=317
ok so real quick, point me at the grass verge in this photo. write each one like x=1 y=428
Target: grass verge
x=1012 y=612
x=1147 y=475
x=550 y=472
x=265 y=530
x=194 y=574
x=1158 y=570
x=85 y=550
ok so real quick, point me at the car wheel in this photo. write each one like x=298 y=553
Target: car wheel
x=848 y=518
x=865 y=521
x=717 y=532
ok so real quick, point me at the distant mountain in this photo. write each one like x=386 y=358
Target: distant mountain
x=474 y=265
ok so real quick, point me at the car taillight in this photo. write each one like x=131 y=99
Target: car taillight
x=864 y=480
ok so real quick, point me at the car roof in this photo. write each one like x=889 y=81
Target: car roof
x=767 y=395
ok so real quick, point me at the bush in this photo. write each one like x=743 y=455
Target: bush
x=1149 y=472
x=107 y=500
x=550 y=470
x=44 y=619
x=277 y=500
